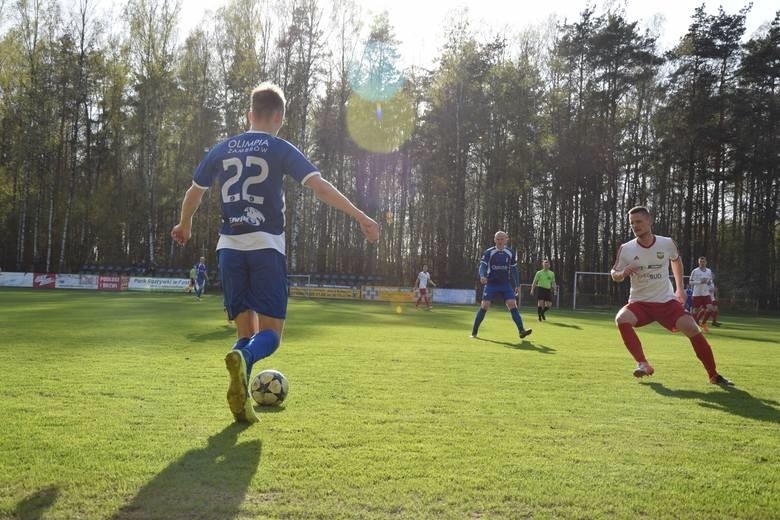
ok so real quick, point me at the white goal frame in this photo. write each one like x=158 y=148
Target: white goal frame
x=577 y=273
x=299 y=280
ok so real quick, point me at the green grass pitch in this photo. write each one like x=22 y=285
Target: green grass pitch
x=113 y=406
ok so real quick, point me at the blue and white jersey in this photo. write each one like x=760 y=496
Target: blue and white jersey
x=250 y=168
x=201 y=271
x=499 y=266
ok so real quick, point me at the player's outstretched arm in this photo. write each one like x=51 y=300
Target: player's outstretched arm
x=182 y=231
x=677 y=271
x=328 y=194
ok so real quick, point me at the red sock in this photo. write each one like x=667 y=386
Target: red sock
x=704 y=353
x=699 y=315
x=706 y=316
x=631 y=340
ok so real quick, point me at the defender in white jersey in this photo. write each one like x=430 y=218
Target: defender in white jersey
x=701 y=279
x=646 y=260
x=423 y=279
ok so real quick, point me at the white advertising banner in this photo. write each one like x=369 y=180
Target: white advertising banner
x=458 y=296
x=76 y=281
x=16 y=279
x=157 y=284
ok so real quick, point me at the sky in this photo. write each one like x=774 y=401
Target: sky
x=419 y=24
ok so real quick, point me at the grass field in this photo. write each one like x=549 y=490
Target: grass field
x=113 y=406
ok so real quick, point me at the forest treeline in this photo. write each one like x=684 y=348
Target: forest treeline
x=550 y=133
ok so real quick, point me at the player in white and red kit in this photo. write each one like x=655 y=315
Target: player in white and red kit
x=423 y=279
x=701 y=279
x=646 y=261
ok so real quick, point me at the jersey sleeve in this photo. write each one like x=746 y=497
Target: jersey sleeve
x=483 y=264
x=295 y=164
x=206 y=170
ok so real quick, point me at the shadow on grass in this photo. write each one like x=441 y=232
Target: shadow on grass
x=268 y=409
x=227 y=332
x=33 y=506
x=523 y=345
x=729 y=399
x=208 y=482
x=565 y=325
x=742 y=337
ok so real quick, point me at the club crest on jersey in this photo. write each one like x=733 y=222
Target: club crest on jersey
x=252 y=216
x=659 y=255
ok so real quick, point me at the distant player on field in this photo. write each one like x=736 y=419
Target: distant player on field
x=191 y=285
x=713 y=314
x=250 y=168
x=700 y=281
x=421 y=284
x=498 y=273
x=688 y=299
x=200 y=277
x=544 y=286
x=646 y=260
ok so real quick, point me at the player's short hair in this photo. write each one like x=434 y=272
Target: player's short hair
x=267 y=99
x=500 y=232
x=702 y=258
x=639 y=209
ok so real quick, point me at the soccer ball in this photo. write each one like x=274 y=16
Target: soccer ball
x=269 y=388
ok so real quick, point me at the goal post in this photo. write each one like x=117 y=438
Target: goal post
x=598 y=290
x=302 y=283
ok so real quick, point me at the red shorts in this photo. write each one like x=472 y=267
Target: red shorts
x=701 y=301
x=665 y=314
x=423 y=291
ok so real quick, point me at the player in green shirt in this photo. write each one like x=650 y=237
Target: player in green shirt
x=544 y=285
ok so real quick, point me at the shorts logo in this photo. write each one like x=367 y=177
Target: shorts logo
x=659 y=255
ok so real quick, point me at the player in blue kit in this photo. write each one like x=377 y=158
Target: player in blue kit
x=200 y=277
x=250 y=168
x=498 y=273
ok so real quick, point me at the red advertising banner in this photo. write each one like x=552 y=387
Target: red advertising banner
x=44 y=280
x=110 y=283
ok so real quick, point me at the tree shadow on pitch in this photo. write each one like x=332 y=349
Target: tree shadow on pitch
x=32 y=507
x=728 y=399
x=208 y=482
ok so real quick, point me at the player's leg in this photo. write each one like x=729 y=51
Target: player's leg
x=428 y=300
x=419 y=299
x=235 y=284
x=715 y=311
x=546 y=307
x=483 y=308
x=626 y=320
x=702 y=348
x=511 y=304
x=268 y=297
x=540 y=309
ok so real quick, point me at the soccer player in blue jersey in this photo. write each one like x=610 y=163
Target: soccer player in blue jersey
x=251 y=249
x=200 y=277
x=498 y=273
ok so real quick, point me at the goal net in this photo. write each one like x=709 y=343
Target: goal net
x=598 y=291
x=299 y=285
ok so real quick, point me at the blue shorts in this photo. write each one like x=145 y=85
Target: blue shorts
x=504 y=290
x=254 y=280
